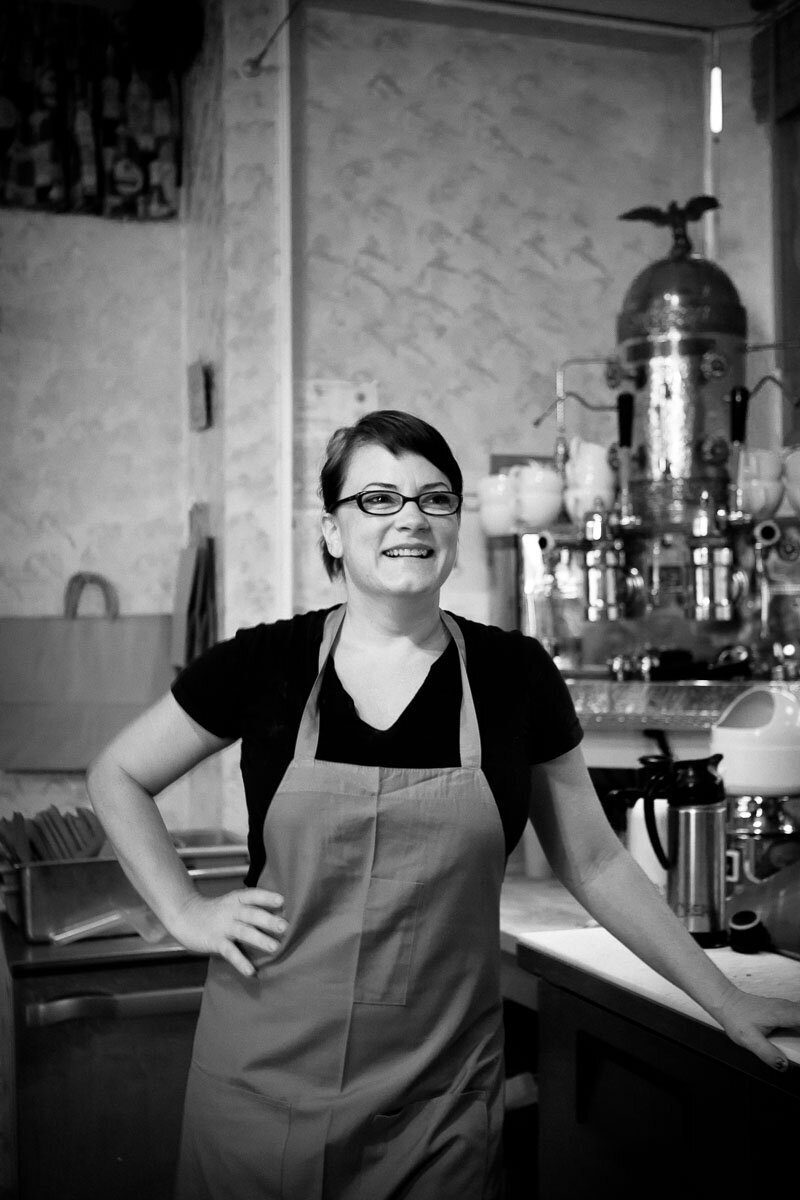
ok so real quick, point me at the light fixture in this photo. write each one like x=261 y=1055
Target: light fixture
x=715 y=90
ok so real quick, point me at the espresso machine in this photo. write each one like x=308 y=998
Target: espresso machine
x=677 y=578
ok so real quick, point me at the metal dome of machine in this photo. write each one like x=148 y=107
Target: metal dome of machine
x=683 y=294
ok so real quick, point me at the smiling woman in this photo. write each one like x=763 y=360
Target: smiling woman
x=350 y=1041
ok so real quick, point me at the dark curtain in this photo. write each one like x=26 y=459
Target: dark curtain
x=90 y=109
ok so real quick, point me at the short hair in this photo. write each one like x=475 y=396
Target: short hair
x=399 y=433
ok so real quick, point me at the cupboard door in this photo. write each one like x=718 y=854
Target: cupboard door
x=101 y=1077
x=626 y=1112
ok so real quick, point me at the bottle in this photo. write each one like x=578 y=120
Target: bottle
x=86 y=184
x=110 y=113
x=139 y=115
x=126 y=181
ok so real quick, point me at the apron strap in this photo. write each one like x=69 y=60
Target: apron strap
x=305 y=748
x=308 y=734
x=469 y=731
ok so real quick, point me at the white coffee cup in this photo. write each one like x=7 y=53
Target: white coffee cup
x=791 y=464
x=538 y=509
x=533 y=476
x=762 y=464
x=497 y=505
x=761 y=497
x=579 y=501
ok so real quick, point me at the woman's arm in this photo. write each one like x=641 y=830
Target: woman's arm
x=590 y=860
x=151 y=753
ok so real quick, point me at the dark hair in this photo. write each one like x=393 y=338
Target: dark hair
x=399 y=433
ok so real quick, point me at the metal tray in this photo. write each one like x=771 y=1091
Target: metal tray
x=68 y=898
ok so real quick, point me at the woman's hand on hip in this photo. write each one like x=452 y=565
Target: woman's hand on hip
x=219 y=924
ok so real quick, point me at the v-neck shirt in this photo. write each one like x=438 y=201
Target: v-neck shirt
x=254 y=687
x=425 y=723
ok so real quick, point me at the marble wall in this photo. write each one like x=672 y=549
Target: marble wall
x=457 y=207
x=92 y=448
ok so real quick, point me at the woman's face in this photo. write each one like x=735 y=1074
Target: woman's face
x=406 y=554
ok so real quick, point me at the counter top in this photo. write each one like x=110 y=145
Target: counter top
x=537 y=904
x=542 y=918
x=537 y=917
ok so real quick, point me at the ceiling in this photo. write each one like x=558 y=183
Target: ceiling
x=699 y=14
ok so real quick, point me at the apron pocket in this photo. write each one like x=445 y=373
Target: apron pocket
x=387 y=941
x=431 y=1149
x=233 y=1142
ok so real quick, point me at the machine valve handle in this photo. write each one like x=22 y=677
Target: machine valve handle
x=625 y=418
x=740 y=397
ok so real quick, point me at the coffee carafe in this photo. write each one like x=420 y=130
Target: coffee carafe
x=694 y=858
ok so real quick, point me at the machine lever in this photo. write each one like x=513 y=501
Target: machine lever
x=625 y=418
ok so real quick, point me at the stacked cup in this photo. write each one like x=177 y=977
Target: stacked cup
x=526 y=497
x=762 y=486
x=791 y=476
x=497 y=504
x=590 y=479
x=539 y=495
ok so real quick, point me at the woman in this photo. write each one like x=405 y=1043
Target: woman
x=350 y=1039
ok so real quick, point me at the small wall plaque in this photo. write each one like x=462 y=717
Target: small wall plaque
x=200 y=381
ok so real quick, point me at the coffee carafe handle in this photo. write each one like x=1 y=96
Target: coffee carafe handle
x=649 y=802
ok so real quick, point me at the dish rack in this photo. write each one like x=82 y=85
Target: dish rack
x=63 y=900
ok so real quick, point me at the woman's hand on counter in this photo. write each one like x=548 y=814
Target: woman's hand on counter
x=749 y=1019
x=591 y=862
x=221 y=924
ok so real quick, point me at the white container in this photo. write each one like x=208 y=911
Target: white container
x=758 y=736
x=639 y=843
x=536 y=865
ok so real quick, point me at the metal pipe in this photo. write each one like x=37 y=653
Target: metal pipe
x=575 y=16
x=284 y=574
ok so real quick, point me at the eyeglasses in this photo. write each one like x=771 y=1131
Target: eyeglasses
x=384 y=504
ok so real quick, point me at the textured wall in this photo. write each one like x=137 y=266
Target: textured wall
x=91 y=443
x=457 y=212
x=92 y=447
x=252 y=265
x=745 y=227
x=204 y=224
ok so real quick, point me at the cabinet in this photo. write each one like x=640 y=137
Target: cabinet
x=637 y=1100
x=92 y=1091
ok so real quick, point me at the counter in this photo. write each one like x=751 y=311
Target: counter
x=546 y=927
x=626 y=1061
x=640 y=1092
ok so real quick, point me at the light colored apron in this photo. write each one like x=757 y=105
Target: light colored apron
x=364 y=1059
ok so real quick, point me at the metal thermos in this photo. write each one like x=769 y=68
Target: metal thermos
x=694 y=858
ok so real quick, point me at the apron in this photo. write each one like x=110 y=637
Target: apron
x=364 y=1060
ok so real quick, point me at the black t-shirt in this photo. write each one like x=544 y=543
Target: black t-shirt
x=255 y=685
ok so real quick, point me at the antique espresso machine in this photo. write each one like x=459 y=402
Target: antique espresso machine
x=676 y=578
